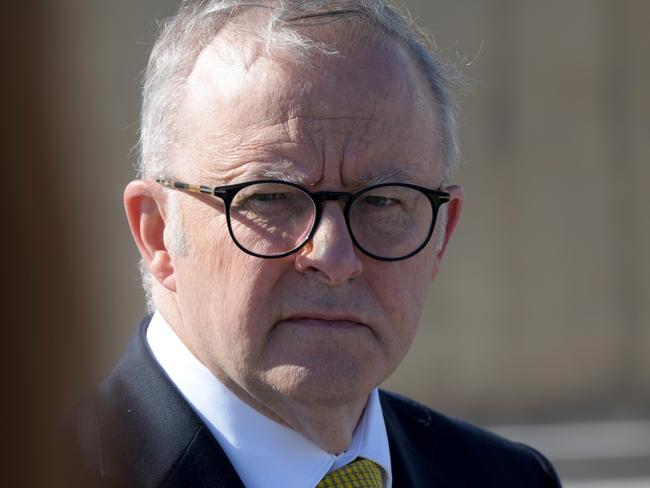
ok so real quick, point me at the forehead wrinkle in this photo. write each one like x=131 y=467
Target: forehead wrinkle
x=283 y=170
x=286 y=136
x=363 y=138
x=231 y=153
x=342 y=140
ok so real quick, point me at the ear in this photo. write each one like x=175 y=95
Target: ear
x=143 y=202
x=454 y=209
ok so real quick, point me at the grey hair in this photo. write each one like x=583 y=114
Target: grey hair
x=184 y=35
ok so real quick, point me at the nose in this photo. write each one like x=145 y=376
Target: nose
x=330 y=256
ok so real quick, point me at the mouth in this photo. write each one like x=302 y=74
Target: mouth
x=325 y=323
x=332 y=321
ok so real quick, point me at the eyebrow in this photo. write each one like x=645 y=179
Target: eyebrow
x=397 y=175
x=263 y=173
x=281 y=175
x=393 y=176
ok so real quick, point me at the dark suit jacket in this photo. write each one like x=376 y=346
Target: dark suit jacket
x=137 y=430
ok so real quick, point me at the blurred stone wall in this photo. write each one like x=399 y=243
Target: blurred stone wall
x=543 y=306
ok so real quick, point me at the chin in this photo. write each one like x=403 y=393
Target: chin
x=326 y=385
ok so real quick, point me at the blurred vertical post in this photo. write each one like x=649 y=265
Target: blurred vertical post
x=41 y=347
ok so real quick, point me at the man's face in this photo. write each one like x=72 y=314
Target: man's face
x=327 y=324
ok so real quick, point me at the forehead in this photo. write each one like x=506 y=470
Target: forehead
x=362 y=112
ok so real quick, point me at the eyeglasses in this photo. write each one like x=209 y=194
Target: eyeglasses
x=273 y=218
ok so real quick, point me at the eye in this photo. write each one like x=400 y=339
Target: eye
x=268 y=197
x=272 y=201
x=269 y=202
x=263 y=195
x=380 y=201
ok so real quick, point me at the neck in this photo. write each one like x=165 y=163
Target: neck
x=330 y=427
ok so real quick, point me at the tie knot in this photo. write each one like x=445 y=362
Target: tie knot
x=360 y=473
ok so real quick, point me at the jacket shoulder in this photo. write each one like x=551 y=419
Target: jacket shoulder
x=454 y=451
x=138 y=430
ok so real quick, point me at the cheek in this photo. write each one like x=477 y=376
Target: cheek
x=240 y=300
x=232 y=301
x=402 y=288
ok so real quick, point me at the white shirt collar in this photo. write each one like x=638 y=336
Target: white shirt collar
x=263 y=452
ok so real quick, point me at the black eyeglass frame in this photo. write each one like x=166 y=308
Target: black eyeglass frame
x=227 y=193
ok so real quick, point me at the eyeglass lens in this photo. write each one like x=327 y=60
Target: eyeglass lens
x=391 y=221
x=271 y=219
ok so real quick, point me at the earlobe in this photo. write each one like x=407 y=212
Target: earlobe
x=161 y=267
x=147 y=223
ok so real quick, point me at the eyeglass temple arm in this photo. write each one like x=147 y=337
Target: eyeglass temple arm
x=210 y=190
x=179 y=185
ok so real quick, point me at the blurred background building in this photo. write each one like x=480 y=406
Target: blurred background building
x=539 y=323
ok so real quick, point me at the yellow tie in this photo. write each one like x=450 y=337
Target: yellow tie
x=360 y=473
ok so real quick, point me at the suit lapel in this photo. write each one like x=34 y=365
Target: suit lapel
x=409 y=465
x=203 y=465
x=150 y=436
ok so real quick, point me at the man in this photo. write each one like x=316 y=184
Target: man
x=293 y=209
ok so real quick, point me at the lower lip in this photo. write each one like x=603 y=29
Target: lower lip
x=330 y=324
